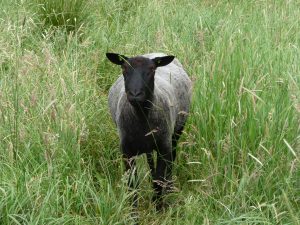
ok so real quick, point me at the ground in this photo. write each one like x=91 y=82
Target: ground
x=238 y=158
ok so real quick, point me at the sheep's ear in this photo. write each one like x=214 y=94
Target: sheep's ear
x=116 y=58
x=163 y=61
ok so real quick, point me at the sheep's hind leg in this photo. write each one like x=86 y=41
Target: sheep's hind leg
x=175 y=138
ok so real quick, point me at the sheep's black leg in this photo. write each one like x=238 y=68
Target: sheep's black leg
x=163 y=175
x=132 y=181
x=151 y=164
x=175 y=138
x=153 y=172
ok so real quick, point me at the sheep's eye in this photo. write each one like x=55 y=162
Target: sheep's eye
x=152 y=71
x=124 y=70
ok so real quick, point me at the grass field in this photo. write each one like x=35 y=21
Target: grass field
x=239 y=157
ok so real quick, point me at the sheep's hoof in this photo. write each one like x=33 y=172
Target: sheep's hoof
x=135 y=216
x=160 y=205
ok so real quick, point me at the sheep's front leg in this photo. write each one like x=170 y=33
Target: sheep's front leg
x=130 y=167
x=151 y=164
x=162 y=179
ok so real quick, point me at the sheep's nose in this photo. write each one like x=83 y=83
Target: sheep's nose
x=135 y=93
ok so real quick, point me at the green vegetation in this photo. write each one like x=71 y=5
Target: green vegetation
x=67 y=14
x=238 y=160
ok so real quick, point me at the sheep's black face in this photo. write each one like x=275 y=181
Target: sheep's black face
x=138 y=75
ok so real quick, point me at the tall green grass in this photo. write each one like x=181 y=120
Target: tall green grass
x=66 y=14
x=238 y=159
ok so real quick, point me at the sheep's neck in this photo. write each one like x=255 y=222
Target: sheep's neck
x=143 y=110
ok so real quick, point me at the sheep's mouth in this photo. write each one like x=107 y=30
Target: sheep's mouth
x=136 y=101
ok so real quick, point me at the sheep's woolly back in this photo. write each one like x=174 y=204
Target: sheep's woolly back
x=172 y=95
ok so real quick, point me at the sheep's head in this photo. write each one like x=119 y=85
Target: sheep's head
x=138 y=75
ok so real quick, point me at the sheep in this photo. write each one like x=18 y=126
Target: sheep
x=149 y=104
